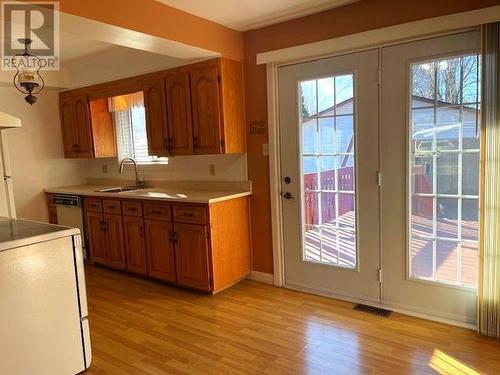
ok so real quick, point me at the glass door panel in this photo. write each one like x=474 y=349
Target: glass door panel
x=444 y=179
x=327 y=118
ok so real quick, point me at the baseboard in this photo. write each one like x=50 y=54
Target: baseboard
x=263 y=277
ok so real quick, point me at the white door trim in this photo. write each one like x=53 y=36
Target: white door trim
x=384 y=36
x=275 y=173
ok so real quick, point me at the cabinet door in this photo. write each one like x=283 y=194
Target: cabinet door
x=191 y=255
x=180 y=126
x=135 y=244
x=97 y=237
x=207 y=125
x=160 y=250
x=114 y=241
x=70 y=140
x=83 y=126
x=52 y=214
x=156 y=117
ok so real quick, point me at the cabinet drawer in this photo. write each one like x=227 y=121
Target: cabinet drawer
x=112 y=206
x=158 y=211
x=132 y=208
x=92 y=204
x=190 y=214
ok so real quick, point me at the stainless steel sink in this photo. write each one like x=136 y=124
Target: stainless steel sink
x=119 y=189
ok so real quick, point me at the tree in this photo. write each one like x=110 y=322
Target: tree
x=303 y=107
x=446 y=74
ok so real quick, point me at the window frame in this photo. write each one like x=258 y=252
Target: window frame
x=410 y=154
x=141 y=163
x=318 y=154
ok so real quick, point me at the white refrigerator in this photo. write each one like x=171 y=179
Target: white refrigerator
x=7 y=206
x=43 y=302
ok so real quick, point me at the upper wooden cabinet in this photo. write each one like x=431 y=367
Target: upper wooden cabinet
x=196 y=109
x=207 y=122
x=217 y=107
x=192 y=109
x=87 y=127
x=156 y=117
x=180 y=125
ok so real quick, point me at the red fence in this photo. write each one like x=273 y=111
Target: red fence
x=327 y=182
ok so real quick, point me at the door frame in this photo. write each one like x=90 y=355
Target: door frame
x=274 y=139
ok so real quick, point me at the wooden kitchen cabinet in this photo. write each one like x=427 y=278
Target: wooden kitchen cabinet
x=105 y=232
x=97 y=237
x=160 y=250
x=87 y=127
x=217 y=107
x=191 y=256
x=156 y=117
x=191 y=109
x=115 y=245
x=200 y=246
x=135 y=244
x=207 y=129
x=180 y=125
x=51 y=208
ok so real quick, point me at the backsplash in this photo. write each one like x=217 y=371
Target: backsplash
x=230 y=167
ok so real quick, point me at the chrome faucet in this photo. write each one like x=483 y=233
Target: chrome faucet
x=138 y=181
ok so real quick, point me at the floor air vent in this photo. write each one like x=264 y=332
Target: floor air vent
x=373 y=310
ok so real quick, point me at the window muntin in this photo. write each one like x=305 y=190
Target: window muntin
x=327 y=119
x=444 y=164
x=132 y=138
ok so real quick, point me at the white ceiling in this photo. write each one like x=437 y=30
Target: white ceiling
x=245 y=15
x=73 y=48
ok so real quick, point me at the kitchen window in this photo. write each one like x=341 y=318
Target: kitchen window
x=130 y=122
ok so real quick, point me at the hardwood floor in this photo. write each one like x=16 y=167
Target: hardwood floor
x=143 y=327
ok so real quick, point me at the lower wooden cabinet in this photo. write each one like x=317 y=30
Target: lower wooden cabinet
x=113 y=230
x=160 y=250
x=51 y=208
x=105 y=232
x=199 y=246
x=97 y=237
x=191 y=255
x=135 y=244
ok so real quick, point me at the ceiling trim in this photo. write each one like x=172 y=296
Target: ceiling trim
x=287 y=16
x=382 y=36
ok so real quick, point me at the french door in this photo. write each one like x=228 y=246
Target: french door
x=379 y=159
x=430 y=164
x=328 y=112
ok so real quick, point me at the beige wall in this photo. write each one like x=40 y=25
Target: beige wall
x=36 y=151
x=180 y=168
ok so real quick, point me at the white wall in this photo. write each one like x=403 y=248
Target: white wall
x=36 y=151
x=115 y=63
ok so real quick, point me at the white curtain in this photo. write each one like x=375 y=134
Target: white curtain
x=489 y=268
x=124 y=103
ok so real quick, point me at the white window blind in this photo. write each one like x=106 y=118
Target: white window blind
x=131 y=135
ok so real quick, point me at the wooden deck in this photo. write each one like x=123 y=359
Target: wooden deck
x=143 y=327
x=322 y=247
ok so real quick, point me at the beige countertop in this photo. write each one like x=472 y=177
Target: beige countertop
x=164 y=193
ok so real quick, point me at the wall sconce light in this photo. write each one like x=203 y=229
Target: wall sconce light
x=27 y=79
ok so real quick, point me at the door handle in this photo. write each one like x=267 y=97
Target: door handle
x=288 y=195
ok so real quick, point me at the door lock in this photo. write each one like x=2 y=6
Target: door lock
x=287 y=180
